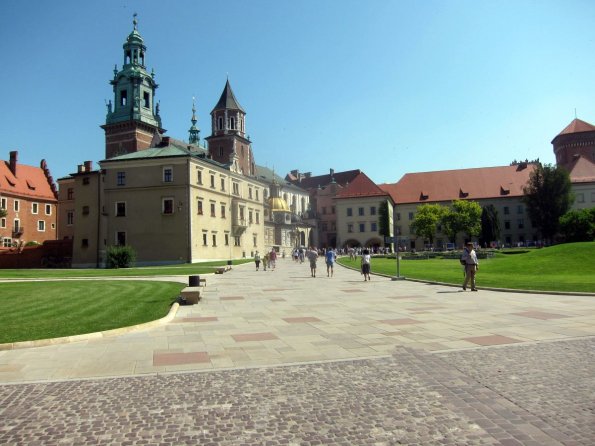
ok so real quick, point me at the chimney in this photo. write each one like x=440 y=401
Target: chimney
x=13 y=162
x=88 y=166
x=80 y=168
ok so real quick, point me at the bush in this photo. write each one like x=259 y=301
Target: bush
x=120 y=256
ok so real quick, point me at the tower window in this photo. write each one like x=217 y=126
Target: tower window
x=232 y=123
x=146 y=99
x=123 y=97
x=220 y=123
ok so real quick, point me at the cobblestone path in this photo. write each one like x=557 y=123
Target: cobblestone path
x=529 y=394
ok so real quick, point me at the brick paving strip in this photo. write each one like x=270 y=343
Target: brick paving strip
x=519 y=394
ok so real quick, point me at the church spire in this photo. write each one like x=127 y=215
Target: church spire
x=194 y=132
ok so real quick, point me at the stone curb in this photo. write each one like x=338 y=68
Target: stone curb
x=503 y=290
x=97 y=335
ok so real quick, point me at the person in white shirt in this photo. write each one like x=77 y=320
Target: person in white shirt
x=366 y=258
x=471 y=266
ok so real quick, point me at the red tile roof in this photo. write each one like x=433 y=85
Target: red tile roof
x=341 y=178
x=448 y=185
x=29 y=182
x=577 y=126
x=361 y=186
x=582 y=170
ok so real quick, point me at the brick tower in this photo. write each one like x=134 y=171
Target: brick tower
x=228 y=143
x=132 y=122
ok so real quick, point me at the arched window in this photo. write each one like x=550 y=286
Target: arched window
x=232 y=123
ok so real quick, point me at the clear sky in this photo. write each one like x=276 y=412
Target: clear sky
x=386 y=86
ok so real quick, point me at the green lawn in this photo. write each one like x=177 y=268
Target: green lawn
x=567 y=267
x=41 y=310
x=167 y=270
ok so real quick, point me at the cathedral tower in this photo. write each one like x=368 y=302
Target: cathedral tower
x=132 y=122
x=228 y=143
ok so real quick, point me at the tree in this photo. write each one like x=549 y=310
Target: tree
x=3 y=213
x=426 y=220
x=548 y=196
x=578 y=226
x=383 y=219
x=490 y=225
x=463 y=216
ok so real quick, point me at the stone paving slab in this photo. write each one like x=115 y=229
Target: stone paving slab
x=410 y=397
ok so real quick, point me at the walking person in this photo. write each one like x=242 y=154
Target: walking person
x=330 y=261
x=265 y=261
x=366 y=259
x=312 y=255
x=273 y=259
x=257 y=260
x=471 y=266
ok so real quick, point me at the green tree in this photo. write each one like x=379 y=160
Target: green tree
x=383 y=219
x=548 y=196
x=463 y=216
x=490 y=225
x=426 y=220
x=3 y=213
x=578 y=225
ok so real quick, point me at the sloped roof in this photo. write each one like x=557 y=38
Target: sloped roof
x=582 y=170
x=361 y=186
x=267 y=175
x=228 y=100
x=471 y=184
x=30 y=182
x=576 y=126
x=341 y=178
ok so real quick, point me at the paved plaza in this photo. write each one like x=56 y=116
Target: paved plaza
x=281 y=358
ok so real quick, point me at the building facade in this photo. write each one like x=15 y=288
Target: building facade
x=28 y=197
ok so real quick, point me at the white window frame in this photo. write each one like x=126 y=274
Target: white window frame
x=48 y=209
x=16 y=205
x=69 y=218
x=6 y=242
x=34 y=208
x=40 y=225
x=166 y=168
x=3 y=222
x=3 y=203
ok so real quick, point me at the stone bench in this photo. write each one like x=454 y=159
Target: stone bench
x=221 y=269
x=191 y=294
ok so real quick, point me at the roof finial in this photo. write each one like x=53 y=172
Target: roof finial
x=134 y=21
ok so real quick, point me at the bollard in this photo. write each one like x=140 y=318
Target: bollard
x=193 y=280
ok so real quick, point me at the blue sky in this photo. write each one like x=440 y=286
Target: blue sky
x=385 y=86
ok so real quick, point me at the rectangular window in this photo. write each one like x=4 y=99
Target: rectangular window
x=204 y=239
x=120 y=209
x=324 y=227
x=167 y=206
x=85 y=243
x=350 y=227
x=236 y=241
x=226 y=239
x=199 y=176
x=507 y=224
x=121 y=178
x=34 y=208
x=520 y=209
x=349 y=212
x=521 y=223
x=213 y=210
x=360 y=211
x=85 y=210
x=372 y=210
x=362 y=227
x=254 y=240
x=373 y=227
x=2 y=203
x=41 y=226
x=398 y=216
x=249 y=192
x=86 y=181
x=258 y=218
x=212 y=181
x=146 y=99
x=236 y=189
x=223 y=184
x=121 y=238
x=123 y=97
x=70 y=218
x=6 y=243
x=70 y=193
x=222 y=210
x=168 y=174
x=250 y=220
x=506 y=210
x=410 y=215
x=2 y=222
x=257 y=194
x=48 y=209
x=16 y=205
x=17 y=225
x=214 y=239
x=199 y=207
